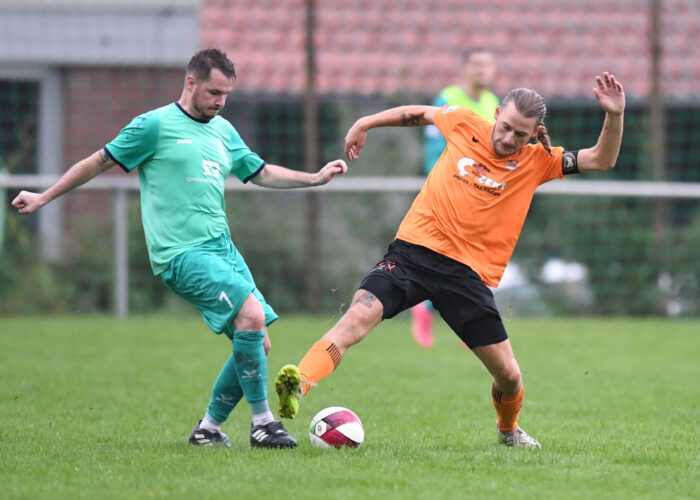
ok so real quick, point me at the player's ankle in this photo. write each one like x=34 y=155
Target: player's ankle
x=263 y=418
x=209 y=423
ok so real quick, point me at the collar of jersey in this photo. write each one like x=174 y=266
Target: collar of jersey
x=189 y=115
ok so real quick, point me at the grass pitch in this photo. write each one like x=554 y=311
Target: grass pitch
x=94 y=407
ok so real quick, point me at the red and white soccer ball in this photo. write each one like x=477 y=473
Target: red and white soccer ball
x=336 y=427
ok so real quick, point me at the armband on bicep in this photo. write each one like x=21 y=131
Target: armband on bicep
x=569 y=163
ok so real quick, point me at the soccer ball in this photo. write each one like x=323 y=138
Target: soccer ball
x=336 y=426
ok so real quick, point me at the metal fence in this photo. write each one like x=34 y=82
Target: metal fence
x=575 y=192
x=306 y=70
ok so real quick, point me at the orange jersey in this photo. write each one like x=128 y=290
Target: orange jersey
x=473 y=204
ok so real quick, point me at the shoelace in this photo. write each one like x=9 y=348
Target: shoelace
x=300 y=390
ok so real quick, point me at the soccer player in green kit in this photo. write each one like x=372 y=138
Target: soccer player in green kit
x=184 y=152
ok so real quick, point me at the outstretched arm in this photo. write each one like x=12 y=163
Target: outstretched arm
x=274 y=176
x=77 y=175
x=405 y=116
x=603 y=155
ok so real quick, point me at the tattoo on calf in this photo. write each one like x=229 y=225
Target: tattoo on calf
x=410 y=120
x=366 y=299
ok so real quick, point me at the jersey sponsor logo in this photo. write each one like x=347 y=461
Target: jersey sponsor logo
x=200 y=179
x=184 y=141
x=211 y=168
x=490 y=183
x=512 y=165
x=463 y=163
x=480 y=176
x=212 y=173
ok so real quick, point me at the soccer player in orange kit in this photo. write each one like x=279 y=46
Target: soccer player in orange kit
x=472 y=91
x=459 y=234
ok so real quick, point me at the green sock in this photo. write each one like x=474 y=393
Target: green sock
x=227 y=392
x=251 y=367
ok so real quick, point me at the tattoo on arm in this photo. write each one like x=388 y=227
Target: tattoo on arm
x=410 y=120
x=103 y=156
x=366 y=299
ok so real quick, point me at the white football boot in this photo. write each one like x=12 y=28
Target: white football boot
x=518 y=437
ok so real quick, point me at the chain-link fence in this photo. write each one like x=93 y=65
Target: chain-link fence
x=578 y=254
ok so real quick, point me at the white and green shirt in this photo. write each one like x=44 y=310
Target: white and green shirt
x=182 y=163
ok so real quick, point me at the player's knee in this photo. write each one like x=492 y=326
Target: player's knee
x=509 y=379
x=354 y=326
x=358 y=321
x=252 y=322
x=363 y=316
x=251 y=316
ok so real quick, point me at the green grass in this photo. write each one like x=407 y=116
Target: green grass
x=94 y=407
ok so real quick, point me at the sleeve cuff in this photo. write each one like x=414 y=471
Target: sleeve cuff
x=111 y=157
x=254 y=173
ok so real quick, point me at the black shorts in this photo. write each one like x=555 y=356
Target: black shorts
x=410 y=274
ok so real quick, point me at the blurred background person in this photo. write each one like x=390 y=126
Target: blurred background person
x=478 y=71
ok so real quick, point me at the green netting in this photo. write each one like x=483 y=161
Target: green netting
x=577 y=254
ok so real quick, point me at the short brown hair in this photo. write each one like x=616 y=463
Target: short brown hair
x=205 y=60
x=468 y=53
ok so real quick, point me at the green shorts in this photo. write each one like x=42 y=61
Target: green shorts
x=215 y=279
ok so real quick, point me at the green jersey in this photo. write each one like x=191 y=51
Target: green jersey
x=182 y=164
x=455 y=96
x=435 y=143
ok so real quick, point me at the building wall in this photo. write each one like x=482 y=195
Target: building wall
x=389 y=46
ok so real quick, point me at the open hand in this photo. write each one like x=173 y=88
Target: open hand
x=354 y=141
x=610 y=94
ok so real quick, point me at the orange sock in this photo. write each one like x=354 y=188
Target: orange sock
x=319 y=362
x=507 y=407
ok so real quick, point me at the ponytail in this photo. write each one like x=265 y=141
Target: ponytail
x=543 y=137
